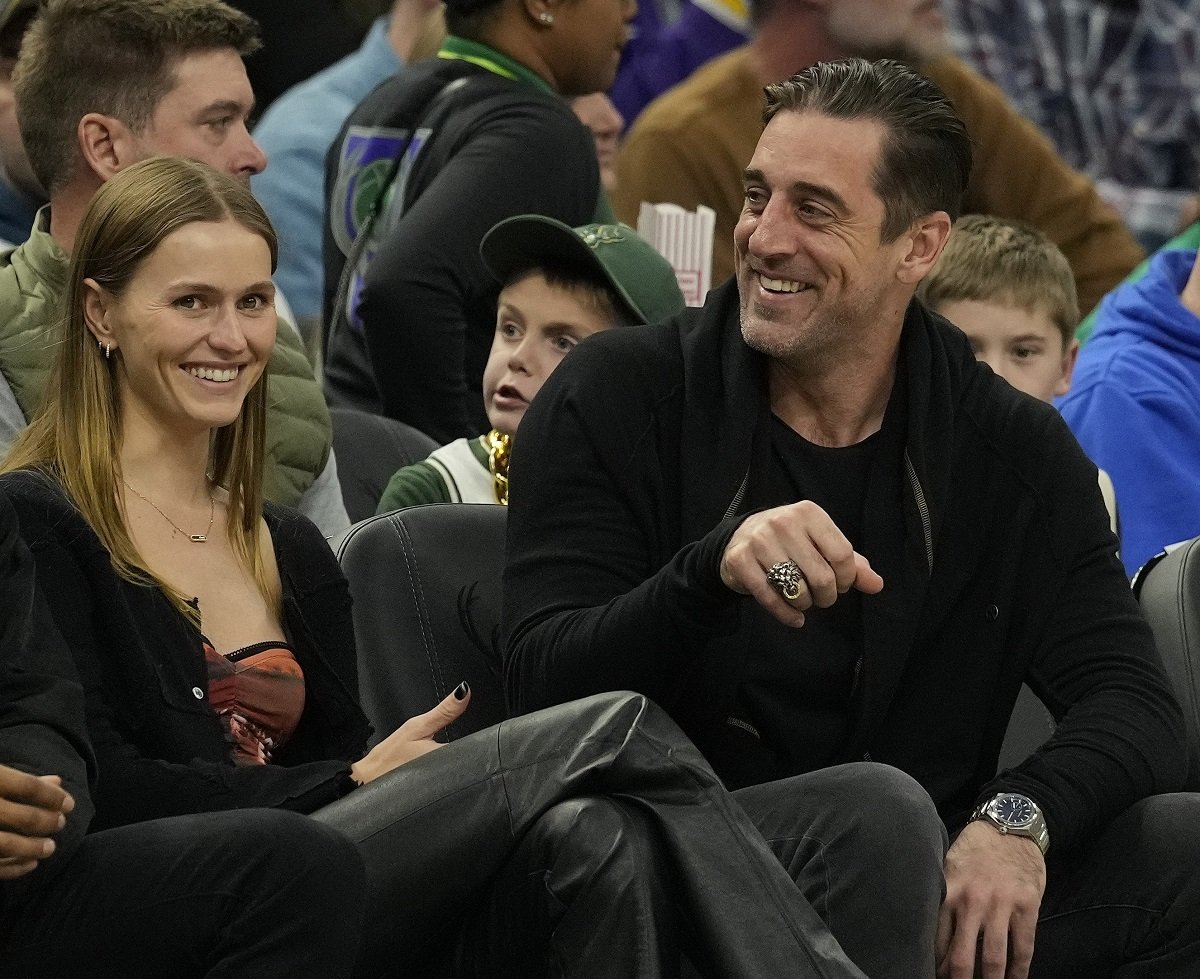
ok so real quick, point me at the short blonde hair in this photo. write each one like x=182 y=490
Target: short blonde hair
x=991 y=260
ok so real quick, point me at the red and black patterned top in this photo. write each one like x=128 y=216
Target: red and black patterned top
x=258 y=692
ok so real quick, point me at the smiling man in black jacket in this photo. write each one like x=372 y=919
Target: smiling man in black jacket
x=833 y=547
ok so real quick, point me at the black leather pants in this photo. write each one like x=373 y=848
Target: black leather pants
x=588 y=891
x=572 y=795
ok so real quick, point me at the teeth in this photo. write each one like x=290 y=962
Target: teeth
x=209 y=374
x=778 y=285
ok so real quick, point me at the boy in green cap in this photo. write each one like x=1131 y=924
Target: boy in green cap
x=560 y=285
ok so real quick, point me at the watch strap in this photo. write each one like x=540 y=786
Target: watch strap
x=1036 y=830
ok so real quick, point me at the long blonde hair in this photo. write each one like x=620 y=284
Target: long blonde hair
x=75 y=435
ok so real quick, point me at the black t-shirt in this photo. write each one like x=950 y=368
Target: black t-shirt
x=798 y=683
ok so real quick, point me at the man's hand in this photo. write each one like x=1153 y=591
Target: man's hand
x=800 y=532
x=413 y=738
x=994 y=887
x=32 y=809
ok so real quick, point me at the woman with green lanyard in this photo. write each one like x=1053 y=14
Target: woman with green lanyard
x=429 y=162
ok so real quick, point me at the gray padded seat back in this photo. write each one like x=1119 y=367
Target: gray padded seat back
x=1168 y=589
x=369 y=448
x=426 y=587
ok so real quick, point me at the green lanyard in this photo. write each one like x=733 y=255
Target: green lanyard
x=460 y=49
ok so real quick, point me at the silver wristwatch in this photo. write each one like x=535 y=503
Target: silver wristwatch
x=1016 y=815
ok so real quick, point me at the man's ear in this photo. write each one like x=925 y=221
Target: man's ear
x=106 y=144
x=925 y=241
x=97 y=304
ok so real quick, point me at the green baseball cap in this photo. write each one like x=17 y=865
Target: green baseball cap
x=641 y=278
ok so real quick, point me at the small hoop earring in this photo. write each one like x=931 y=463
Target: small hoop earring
x=105 y=347
x=546 y=18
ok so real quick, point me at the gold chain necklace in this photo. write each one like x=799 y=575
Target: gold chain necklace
x=194 y=538
x=499 y=447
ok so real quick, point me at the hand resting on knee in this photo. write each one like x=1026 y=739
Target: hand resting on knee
x=413 y=738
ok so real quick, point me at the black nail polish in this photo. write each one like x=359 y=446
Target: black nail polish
x=461 y=691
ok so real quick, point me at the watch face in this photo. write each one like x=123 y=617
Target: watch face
x=1013 y=810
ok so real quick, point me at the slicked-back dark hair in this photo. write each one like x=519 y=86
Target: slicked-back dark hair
x=925 y=160
x=115 y=57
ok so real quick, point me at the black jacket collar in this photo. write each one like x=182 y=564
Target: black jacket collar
x=726 y=411
x=726 y=394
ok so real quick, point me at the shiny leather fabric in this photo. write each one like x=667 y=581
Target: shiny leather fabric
x=436 y=831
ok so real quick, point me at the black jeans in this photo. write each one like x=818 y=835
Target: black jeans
x=255 y=892
x=1129 y=905
x=589 y=839
x=865 y=845
x=863 y=842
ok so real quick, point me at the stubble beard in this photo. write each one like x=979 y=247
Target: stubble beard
x=808 y=346
x=821 y=342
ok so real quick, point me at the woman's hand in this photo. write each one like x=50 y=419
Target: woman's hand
x=411 y=739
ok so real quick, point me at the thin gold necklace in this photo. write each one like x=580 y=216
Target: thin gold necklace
x=499 y=446
x=194 y=538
